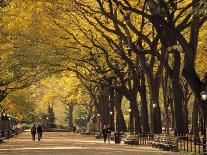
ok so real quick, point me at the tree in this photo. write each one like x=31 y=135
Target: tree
x=51 y=117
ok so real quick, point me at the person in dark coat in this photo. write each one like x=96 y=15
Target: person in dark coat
x=74 y=129
x=33 y=132
x=109 y=130
x=104 y=133
x=39 y=132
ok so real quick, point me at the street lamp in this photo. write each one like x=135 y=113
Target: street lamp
x=99 y=122
x=9 y=118
x=129 y=126
x=204 y=98
x=4 y=120
x=154 y=106
x=110 y=117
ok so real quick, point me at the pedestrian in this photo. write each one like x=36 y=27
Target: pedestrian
x=74 y=129
x=104 y=133
x=33 y=132
x=109 y=130
x=39 y=132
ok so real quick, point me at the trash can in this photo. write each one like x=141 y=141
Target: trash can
x=117 y=138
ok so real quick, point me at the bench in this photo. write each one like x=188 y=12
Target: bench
x=131 y=140
x=11 y=133
x=165 y=142
x=6 y=134
x=98 y=135
x=1 y=138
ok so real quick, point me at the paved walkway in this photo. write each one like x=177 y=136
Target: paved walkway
x=71 y=144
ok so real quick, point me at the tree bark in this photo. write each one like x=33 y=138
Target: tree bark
x=177 y=95
x=70 y=107
x=120 y=122
x=135 y=113
x=111 y=109
x=156 y=113
x=144 y=107
x=166 y=104
x=195 y=118
x=104 y=104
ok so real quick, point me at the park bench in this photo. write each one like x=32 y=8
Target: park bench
x=131 y=140
x=11 y=133
x=87 y=132
x=1 y=137
x=6 y=134
x=170 y=143
x=165 y=142
x=98 y=135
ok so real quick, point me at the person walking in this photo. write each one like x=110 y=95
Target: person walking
x=74 y=129
x=104 y=133
x=33 y=132
x=109 y=130
x=39 y=132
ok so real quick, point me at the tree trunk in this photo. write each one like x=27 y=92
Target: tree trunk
x=177 y=95
x=135 y=113
x=172 y=113
x=111 y=109
x=70 y=107
x=185 y=116
x=166 y=105
x=104 y=104
x=144 y=107
x=195 y=118
x=120 y=122
x=156 y=112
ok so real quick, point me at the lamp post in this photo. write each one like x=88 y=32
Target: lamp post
x=154 y=106
x=4 y=116
x=9 y=121
x=47 y=122
x=129 y=126
x=204 y=98
x=82 y=121
x=99 y=122
x=110 y=117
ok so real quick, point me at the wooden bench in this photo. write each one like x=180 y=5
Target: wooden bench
x=131 y=140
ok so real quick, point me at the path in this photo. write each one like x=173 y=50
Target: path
x=65 y=143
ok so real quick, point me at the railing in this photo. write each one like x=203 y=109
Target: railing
x=8 y=129
x=191 y=144
x=187 y=143
x=145 y=139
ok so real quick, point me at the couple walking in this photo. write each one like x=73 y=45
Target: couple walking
x=37 y=130
x=106 y=131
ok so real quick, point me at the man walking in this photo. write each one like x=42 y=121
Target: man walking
x=39 y=132
x=33 y=132
x=109 y=129
x=104 y=133
x=74 y=129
